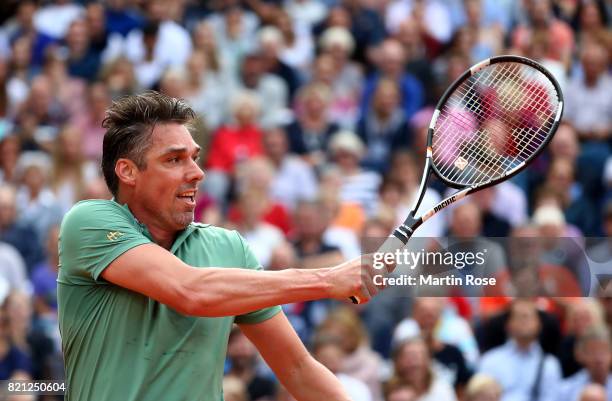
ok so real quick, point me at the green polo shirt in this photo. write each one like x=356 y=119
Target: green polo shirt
x=121 y=345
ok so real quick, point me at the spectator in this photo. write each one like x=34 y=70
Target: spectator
x=107 y=45
x=520 y=366
x=593 y=351
x=164 y=43
x=272 y=43
x=593 y=392
x=360 y=361
x=70 y=172
x=487 y=41
x=345 y=218
x=37 y=205
x=583 y=314
x=367 y=27
x=431 y=16
x=55 y=18
x=427 y=322
x=24 y=27
x=20 y=235
x=412 y=365
x=384 y=127
x=358 y=185
x=44 y=277
x=40 y=115
x=234 y=389
x=293 y=180
x=121 y=18
x=15 y=364
x=465 y=228
x=13 y=275
x=89 y=123
x=589 y=108
x=204 y=90
x=68 y=90
x=120 y=78
x=234 y=30
x=329 y=352
x=493 y=224
x=298 y=48
x=309 y=134
x=270 y=90
x=205 y=41
x=83 y=60
x=148 y=69
x=10 y=148
x=233 y=144
x=256 y=175
x=243 y=360
x=417 y=63
x=483 y=388
x=345 y=78
x=21 y=72
x=541 y=19
x=310 y=244
x=391 y=63
x=591 y=20
x=306 y=12
x=577 y=207
x=405 y=172
x=395 y=390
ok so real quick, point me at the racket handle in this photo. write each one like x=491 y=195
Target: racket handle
x=396 y=241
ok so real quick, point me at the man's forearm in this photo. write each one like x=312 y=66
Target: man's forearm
x=232 y=291
x=156 y=273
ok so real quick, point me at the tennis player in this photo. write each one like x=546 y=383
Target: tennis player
x=147 y=297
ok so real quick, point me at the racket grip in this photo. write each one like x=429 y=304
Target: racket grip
x=396 y=241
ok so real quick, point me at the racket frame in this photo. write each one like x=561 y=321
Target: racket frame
x=411 y=223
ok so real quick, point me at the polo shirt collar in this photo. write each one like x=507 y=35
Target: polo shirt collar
x=180 y=238
x=534 y=348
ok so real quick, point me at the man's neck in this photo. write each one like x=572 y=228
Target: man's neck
x=524 y=345
x=160 y=236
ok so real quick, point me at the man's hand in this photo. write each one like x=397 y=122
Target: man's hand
x=355 y=278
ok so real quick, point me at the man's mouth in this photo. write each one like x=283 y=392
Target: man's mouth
x=188 y=196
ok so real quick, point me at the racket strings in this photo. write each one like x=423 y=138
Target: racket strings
x=494 y=121
x=512 y=103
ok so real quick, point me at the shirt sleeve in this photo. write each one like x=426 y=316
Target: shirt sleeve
x=92 y=235
x=258 y=316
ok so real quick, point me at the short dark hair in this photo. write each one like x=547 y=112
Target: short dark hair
x=129 y=123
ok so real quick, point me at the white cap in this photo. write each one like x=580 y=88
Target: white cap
x=548 y=215
x=337 y=36
x=347 y=141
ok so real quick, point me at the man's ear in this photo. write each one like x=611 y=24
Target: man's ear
x=126 y=171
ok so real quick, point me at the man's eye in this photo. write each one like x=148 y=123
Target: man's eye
x=174 y=160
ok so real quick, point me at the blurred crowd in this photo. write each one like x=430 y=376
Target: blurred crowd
x=313 y=117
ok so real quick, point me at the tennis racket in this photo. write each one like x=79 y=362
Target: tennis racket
x=488 y=126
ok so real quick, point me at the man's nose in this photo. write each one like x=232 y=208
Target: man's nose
x=195 y=172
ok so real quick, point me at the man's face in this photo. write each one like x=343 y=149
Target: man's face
x=524 y=323
x=427 y=313
x=241 y=351
x=165 y=190
x=596 y=357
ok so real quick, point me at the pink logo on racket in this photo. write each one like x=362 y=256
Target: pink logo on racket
x=461 y=163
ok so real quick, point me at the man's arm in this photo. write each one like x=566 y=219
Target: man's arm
x=304 y=377
x=153 y=271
